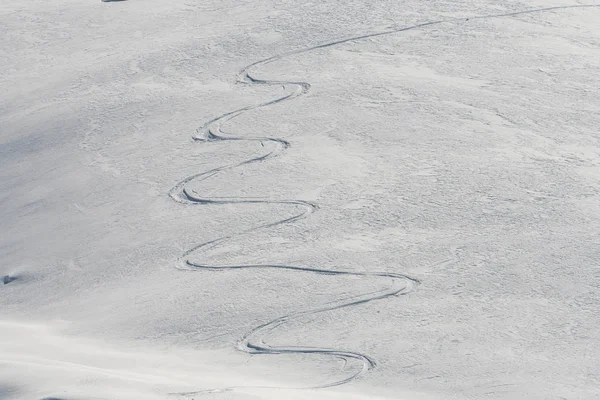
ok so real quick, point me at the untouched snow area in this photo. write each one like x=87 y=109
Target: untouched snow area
x=234 y=199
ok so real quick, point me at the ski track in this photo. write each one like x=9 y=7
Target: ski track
x=253 y=342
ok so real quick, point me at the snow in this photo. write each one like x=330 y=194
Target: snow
x=326 y=200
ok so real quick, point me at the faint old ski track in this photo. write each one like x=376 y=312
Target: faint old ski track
x=253 y=342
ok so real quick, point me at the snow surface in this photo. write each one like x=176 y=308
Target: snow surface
x=381 y=200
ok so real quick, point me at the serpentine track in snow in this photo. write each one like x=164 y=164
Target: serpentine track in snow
x=253 y=342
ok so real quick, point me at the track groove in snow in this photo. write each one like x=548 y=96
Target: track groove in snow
x=253 y=342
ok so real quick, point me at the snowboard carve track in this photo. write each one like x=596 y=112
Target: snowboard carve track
x=253 y=342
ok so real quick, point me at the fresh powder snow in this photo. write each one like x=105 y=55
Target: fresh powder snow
x=267 y=199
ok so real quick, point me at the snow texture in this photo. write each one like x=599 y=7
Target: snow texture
x=379 y=200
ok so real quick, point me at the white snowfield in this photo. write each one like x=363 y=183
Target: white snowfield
x=235 y=199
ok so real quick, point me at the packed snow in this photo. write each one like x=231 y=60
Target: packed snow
x=234 y=199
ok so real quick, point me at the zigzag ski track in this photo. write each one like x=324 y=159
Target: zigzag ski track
x=253 y=342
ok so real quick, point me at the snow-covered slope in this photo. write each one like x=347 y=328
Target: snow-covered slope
x=376 y=200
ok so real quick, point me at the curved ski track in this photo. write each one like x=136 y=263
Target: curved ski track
x=253 y=342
